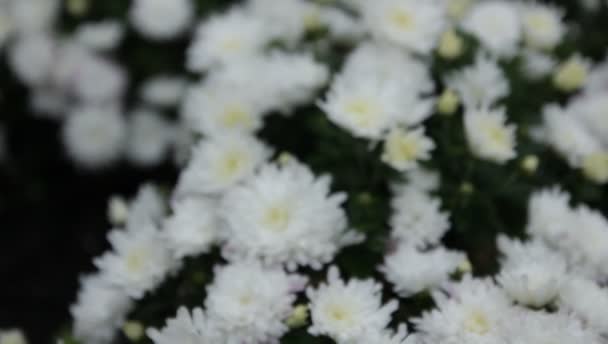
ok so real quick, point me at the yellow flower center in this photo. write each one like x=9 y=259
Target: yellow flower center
x=276 y=218
x=402 y=19
x=235 y=116
x=477 y=323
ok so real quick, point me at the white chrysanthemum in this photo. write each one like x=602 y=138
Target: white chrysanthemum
x=163 y=91
x=547 y=328
x=417 y=217
x=489 y=136
x=341 y=25
x=532 y=284
x=278 y=80
x=586 y=245
x=421 y=178
x=290 y=19
x=139 y=262
x=285 y=214
x=31 y=58
x=366 y=106
x=102 y=36
x=482 y=84
x=149 y=139
x=218 y=163
x=568 y=135
x=473 y=311
x=549 y=215
x=250 y=303
x=543 y=25
x=192 y=228
x=347 y=311
x=224 y=38
x=404 y=148
x=99 y=310
x=12 y=336
x=587 y=300
x=389 y=337
x=161 y=19
x=411 y=24
x=146 y=209
x=187 y=328
x=597 y=80
x=29 y=16
x=412 y=270
x=592 y=109
x=497 y=25
x=215 y=109
x=536 y=64
x=95 y=136
x=99 y=80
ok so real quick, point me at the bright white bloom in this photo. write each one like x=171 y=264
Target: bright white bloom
x=215 y=109
x=367 y=106
x=31 y=58
x=417 y=217
x=12 y=336
x=587 y=300
x=568 y=135
x=250 y=303
x=192 y=228
x=533 y=283
x=99 y=311
x=489 y=136
x=412 y=270
x=146 y=209
x=421 y=178
x=95 y=136
x=29 y=16
x=285 y=214
x=185 y=328
x=592 y=109
x=139 y=262
x=226 y=37
x=163 y=91
x=543 y=25
x=497 y=25
x=105 y=35
x=149 y=139
x=536 y=64
x=342 y=26
x=482 y=84
x=218 y=163
x=549 y=214
x=347 y=311
x=411 y=24
x=99 y=80
x=597 y=80
x=472 y=311
x=403 y=149
x=547 y=328
x=161 y=19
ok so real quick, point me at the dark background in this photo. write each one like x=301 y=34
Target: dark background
x=53 y=215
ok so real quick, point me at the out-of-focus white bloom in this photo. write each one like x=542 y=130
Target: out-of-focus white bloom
x=348 y=311
x=224 y=38
x=29 y=16
x=548 y=214
x=215 y=109
x=536 y=64
x=420 y=178
x=186 y=327
x=473 y=311
x=597 y=80
x=404 y=148
x=367 y=107
x=118 y=210
x=543 y=25
x=95 y=136
x=31 y=58
x=290 y=19
x=592 y=109
x=417 y=218
x=6 y=23
x=489 y=136
x=12 y=336
x=572 y=73
x=567 y=135
x=412 y=270
x=192 y=228
x=99 y=310
x=99 y=80
x=533 y=283
x=139 y=261
x=105 y=35
x=451 y=45
x=481 y=84
x=285 y=214
x=218 y=163
x=161 y=19
x=250 y=303
x=595 y=167
x=163 y=91
x=497 y=25
x=411 y=24
x=587 y=300
x=543 y=327
x=146 y=209
x=149 y=139
x=342 y=26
